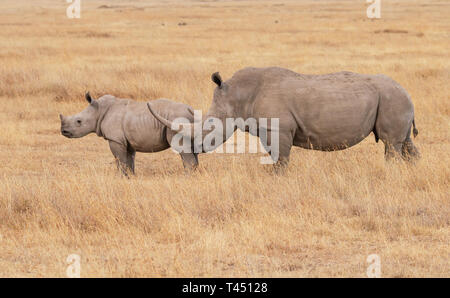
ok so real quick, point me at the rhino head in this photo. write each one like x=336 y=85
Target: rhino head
x=225 y=101
x=83 y=123
x=229 y=101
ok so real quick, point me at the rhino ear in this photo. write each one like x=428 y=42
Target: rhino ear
x=61 y=117
x=88 y=97
x=215 y=77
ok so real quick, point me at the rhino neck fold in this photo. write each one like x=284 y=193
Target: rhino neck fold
x=102 y=113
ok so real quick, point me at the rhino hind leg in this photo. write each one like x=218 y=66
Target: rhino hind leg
x=190 y=161
x=392 y=150
x=396 y=136
x=409 y=150
x=398 y=146
x=124 y=157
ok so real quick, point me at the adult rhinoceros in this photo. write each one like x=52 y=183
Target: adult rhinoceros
x=128 y=127
x=322 y=112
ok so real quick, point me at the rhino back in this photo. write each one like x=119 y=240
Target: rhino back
x=326 y=112
x=143 y=131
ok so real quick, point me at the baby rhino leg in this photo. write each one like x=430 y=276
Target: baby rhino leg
x=124 y=157
x=190 y=161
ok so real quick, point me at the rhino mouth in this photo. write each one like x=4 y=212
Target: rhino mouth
x=66 y=133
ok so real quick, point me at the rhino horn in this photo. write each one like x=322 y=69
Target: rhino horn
x=171 y=125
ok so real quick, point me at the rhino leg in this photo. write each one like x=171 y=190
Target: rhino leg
x=130 y=160
x=190 y=161
x=392 y=150
x=283 y=160
x=393 y=131
x=409 y=151
x=281 y=157
x=398 y=145
x=124 y=157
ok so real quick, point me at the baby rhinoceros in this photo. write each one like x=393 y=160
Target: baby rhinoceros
x=129 y=127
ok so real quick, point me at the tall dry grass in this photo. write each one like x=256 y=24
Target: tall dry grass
x=233 y=217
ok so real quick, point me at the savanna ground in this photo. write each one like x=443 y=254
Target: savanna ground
x=233 y=217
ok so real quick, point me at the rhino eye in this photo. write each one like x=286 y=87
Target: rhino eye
x=78 y=121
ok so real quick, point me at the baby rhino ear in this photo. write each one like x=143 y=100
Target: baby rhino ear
x=215 y=77
x=88 y=97
x=91 y=101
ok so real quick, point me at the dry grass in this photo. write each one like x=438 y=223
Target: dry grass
x=233 y=217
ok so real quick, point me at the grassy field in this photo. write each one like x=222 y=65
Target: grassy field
x=233 y=217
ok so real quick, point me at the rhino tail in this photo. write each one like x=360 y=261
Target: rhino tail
x=415 y=131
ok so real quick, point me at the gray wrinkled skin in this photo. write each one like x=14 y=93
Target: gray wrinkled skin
x=128 y=127
x=321 y=112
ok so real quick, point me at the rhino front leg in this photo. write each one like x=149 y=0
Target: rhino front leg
x=190 y=161
x=279 y=150
x=130 y=160
x=124 y=157
x=284 y=152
